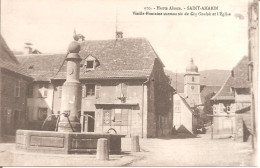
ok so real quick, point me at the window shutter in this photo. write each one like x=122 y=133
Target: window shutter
x=60 y=91
x=124 y=89
x=22 y=89
x=118 y=90
x=83 y=90
x=117 y=117
x=124 y=117
x=98 y=87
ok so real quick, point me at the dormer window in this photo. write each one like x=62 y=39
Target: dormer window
x=90 y=63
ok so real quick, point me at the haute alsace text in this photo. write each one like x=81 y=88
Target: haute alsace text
x=187 y=11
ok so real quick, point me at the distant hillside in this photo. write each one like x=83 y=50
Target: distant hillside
x=208 y=77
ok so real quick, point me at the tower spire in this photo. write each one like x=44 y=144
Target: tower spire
x=191 y=60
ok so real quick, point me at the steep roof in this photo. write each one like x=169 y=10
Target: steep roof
x=6 y=53
x=8 y=61
x=238 y=78
x=122 y=58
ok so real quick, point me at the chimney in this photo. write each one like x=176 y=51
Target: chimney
x=119 y=34
x=28 y=48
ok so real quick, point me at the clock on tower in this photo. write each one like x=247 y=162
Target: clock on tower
x=192 y=84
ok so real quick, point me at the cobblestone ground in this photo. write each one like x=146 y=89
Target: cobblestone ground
x=199 y=151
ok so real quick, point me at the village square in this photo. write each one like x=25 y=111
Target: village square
x=112 y=102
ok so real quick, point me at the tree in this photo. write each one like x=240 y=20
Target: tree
x=207 y=107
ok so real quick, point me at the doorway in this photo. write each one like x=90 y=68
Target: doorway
x=89 y=121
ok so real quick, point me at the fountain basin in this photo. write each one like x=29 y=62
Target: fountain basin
x=64 y=142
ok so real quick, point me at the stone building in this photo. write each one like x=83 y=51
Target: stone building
x=124 y=88
x=233 y=102
x=13 y=92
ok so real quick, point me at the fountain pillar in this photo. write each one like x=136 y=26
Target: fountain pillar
x=71 y=92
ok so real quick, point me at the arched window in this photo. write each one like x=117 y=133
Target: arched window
x=193 y=79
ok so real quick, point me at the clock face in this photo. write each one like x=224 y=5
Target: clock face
x=70 y=71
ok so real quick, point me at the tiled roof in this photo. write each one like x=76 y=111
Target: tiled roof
x=122 y=58
x=41 y=67
x=8 y=60
x=238 y=78
x=6 y=53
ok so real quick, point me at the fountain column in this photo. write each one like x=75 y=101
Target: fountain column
x=71 y=92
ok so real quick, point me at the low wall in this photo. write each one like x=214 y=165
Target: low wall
x=64 y=142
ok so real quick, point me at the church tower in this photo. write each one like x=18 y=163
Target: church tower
x=192 y=84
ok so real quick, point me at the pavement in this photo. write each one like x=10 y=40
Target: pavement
x=168 y=151
x=9 y=156
x=195 y=151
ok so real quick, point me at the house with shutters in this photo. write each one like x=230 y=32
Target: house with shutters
x=232 y=103
x=124 y=88
x=14 y=83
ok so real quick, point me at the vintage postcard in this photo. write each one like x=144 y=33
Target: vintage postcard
x=129 y=83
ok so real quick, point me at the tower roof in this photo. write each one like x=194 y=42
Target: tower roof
x=191 y=67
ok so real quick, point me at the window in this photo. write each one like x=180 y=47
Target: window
x=17 y=89
x=43 y=90
x=90 y=90
x=121 y=90
x=228 y=109
x=120 y=117
x=115 y=117
x=42 y=113
x=177 y=102
x=177 y=109
x=193 y=79
x=60 y=91
x=90 y=65
x=243 y=91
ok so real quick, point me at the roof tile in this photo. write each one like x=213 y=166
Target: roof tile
x=237 y=79
x=122 y=58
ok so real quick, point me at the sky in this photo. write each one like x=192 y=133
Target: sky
x=213 y=42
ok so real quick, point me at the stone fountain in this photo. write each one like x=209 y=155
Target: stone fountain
x=68 y=139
